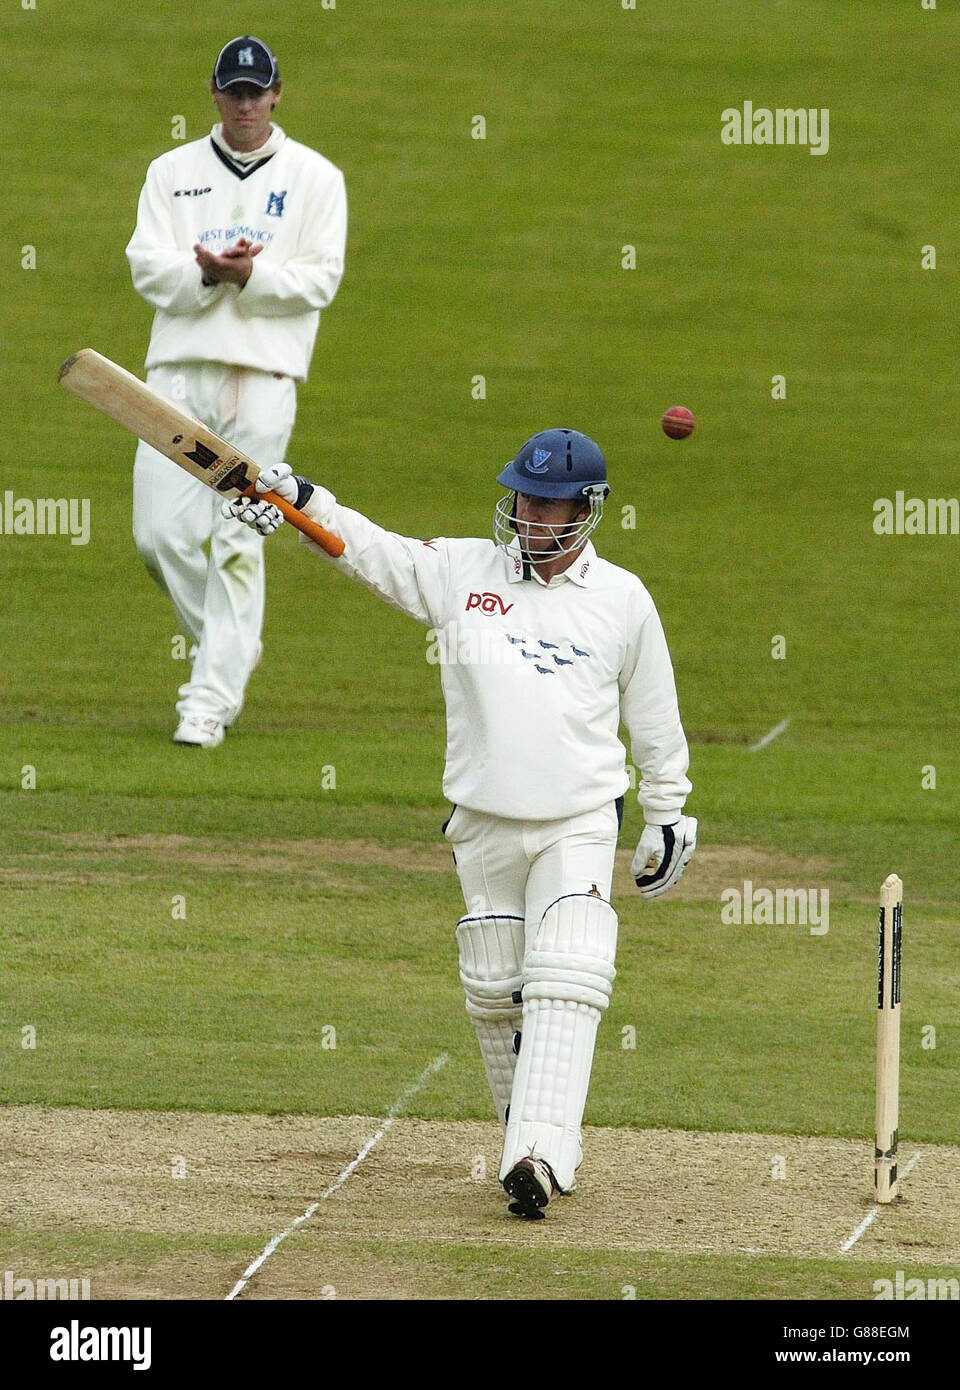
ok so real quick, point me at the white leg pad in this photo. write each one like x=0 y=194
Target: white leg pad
x=491 y=971
x=568 y=979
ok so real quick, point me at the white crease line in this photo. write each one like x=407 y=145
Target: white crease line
x=768 y=737
x=351 y=1167
x=849 y=1244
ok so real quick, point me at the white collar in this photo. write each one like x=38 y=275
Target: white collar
x=270 y=146
x=579 y=572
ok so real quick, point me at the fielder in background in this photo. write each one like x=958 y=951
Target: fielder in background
x=239 y=245
x=544 y=648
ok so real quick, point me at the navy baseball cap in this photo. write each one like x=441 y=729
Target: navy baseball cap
x=245 y=60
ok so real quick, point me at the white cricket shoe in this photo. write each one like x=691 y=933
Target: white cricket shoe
x=199 y=731
x=531 y=1184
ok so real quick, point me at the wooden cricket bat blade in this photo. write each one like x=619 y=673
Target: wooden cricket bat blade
x=189 y=443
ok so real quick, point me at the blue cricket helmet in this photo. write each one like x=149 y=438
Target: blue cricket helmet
x=557 y=463
x=563 y=465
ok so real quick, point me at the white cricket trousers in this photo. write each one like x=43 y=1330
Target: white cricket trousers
x=519 y=867
x=211 y=566
x=513 y=869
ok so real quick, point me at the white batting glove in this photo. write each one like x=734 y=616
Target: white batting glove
x=662 y=855
x=259 y=516
x=280 y=479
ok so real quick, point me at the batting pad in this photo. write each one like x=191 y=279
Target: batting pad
x=568 y=980
x=491 y=964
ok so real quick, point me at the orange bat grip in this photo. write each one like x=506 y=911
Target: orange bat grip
x=332 y=544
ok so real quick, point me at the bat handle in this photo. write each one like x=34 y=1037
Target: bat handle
x=327 y=541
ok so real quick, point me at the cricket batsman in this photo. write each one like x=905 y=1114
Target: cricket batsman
x=545 y=648
x=239 y=246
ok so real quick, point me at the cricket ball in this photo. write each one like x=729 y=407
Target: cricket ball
x=678 y=422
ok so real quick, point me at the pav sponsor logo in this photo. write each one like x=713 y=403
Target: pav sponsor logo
x=487 y=603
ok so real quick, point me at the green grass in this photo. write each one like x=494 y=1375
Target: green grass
x=495 y=1272
x=225 y=1008
x=502 y=257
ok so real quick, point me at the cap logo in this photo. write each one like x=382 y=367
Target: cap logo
x=245 y=58
x=537 y=463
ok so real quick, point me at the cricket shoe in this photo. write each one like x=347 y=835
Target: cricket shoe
x=199 y=731
x=531 y=1184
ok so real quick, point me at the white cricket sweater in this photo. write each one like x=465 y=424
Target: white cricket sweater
x=293 y=203
x=536 y=677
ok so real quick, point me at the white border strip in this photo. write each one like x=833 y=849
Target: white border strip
x=351 y=1167
x=852 y=1240
x=771 y=734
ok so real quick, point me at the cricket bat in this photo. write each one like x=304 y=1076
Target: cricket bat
x=131 y=403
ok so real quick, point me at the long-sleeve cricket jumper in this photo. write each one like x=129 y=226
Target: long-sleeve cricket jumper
x=231 y=355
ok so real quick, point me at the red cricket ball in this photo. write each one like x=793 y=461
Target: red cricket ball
x=678 y=422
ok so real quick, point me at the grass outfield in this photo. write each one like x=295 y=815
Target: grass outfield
x=224 y=1008
x=310 y=906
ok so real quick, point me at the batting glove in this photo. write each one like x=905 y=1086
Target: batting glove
x=282 y=479
x=259 y=516
x=662 y=855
